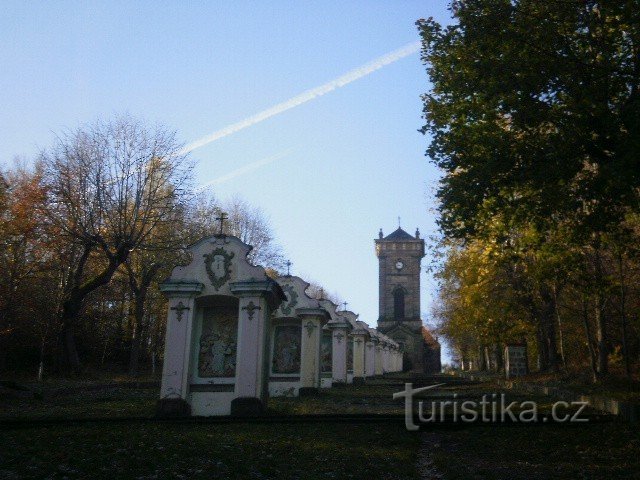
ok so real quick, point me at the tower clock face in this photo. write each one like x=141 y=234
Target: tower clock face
x=399 y=265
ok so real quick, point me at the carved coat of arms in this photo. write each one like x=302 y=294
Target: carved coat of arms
x=218 y=266
x=292 y=299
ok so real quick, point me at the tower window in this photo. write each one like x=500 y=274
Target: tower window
x=398 y=303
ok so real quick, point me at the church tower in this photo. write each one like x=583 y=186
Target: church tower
x=399 y=256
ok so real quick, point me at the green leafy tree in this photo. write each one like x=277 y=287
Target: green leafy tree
x=534 y=119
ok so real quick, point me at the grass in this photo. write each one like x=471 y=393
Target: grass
x=117 y=399
x=597 y=451
x=614 y=386
x=206 y=451
x=326 y=450
x=113 y=400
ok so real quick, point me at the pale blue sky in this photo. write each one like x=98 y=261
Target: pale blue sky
x=348 y=162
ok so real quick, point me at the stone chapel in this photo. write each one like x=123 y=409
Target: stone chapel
x=399 y=256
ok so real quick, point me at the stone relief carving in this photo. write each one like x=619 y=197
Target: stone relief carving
x=218 y=266
x=310 y=327
x=286 y=349
x=292 y=299
x=179 y=309
x=251 y=309
x=218 y=343
x=326 y=353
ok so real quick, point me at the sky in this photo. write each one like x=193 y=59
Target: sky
x=329 y=168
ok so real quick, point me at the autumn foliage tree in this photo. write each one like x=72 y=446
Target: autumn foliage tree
x=88 y=231
x=110 y=186
x=27 y=262
x=534 y=120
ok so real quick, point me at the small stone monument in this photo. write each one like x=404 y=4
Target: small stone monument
x=515 y=360
x=215 y=358
x=295 y=340
x=352 y=320
x=326 y=345
x=360 y=336
x=340 y=329
x=370 y=352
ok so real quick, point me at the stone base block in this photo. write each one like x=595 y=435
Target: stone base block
x=247 y=406
x=307 y=391
x=172 y=408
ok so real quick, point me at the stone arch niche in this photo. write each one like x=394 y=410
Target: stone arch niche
x=216 y=328
x=215 y=360
x=352 y=319
x=296 y=329
x=326 y=344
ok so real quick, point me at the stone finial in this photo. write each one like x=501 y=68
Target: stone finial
x=417 y=233
x=380 y=234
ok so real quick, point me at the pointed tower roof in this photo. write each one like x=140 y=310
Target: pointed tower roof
x=399 y=234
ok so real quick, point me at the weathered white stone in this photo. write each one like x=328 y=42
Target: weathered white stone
x=352 y=319
x=217 y=330
x=369 y=357
x=177 y=351
x=295 y=340
x=340 y=328
x=326 y=345
x=378 y=360
x=360 y=336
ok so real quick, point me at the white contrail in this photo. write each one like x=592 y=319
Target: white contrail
x=246 y=169
x=308 y=95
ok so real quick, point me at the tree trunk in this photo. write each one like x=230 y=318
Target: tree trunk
x=601 y=338
x=548 y=320
x=41 y=362
x=543 y=352
x=623 y=317
x=136 y=340
x=72 y=306
x=482 y=366
x=487 y=358
x=140 y=291
x=560 y=333
x=71 y=359
x=602 y=365
x=587 y=331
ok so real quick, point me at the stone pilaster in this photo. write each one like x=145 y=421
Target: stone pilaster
x=312 y=321
x=257 y=299
x=369 y=358
x=174 y=388
x=385 y=358
x=378 y=361
x=359 y=341
x=339 y=337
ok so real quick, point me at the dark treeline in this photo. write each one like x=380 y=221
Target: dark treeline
x=87 y=231
x=534 y=120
